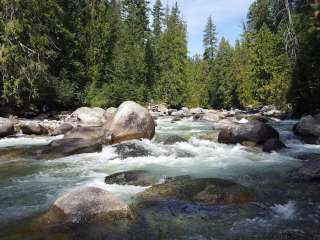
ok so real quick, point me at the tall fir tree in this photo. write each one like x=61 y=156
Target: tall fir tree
x=210 y=40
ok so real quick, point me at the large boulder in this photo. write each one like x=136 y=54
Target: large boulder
x=6 y=127
x=135 y=177
x=88 y=133
x=88 y=116
x=67 y=147
x=131 y=121
x=33 y=128
x=206 y=191
x=251 y=133
x=308 y=129
x=85 y=204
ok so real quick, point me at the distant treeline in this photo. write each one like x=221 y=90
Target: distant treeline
x=64 y=54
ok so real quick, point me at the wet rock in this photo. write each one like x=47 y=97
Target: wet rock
x=131 y=121
x=84 y=204
x=210 y=136
x=135 y=177
x=309 y=171
x=86 y=116
x=273 y=144
x=200 y=191
x=62 y=129
x=255 y=131
x=6 y=127
x=89 y=133
x=174 y=139
x=131 y=149
x=67 y=147
x=33 y=128
x=308 y=129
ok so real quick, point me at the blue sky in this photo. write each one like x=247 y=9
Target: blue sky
x=227 y=15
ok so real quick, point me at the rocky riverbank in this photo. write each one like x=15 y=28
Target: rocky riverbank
x=218 y=171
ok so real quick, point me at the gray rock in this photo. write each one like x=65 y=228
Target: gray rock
x=308 y=129
x=33 y=128
x=62 y=129
x=89 y=133
x=253 y=131
x=131 y=149
x=205 y=192
x=135 y=177
x=66 y=147
x=86 y=203
x=131 y=121
x=174 y=139
x=86 y=116
x=6 y=127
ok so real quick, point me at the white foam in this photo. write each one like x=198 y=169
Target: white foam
x=285 y=211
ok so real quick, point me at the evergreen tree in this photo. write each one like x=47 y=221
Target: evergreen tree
x=210 y=40
x=222 y=86
x=158 y=18
x=173 y=58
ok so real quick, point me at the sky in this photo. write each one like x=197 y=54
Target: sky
x=227 y=15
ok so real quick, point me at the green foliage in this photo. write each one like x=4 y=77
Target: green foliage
x=63 y=54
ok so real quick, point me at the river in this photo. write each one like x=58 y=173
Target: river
x=29 y=187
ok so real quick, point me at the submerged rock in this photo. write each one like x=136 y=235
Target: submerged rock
x=33 y=128
x=135 y=177
x=85 y=204
x=66 y=147
x=208 y=191
x=309 y=171
x=174 y=139
x=308 y=129
x=254 y=133
x=131 y=121
x=131 y=149
x=6 y=127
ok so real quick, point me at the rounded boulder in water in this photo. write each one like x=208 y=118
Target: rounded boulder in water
x=86 y=203
x=131 y=121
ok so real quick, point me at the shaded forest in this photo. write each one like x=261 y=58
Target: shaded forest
x=64 y=54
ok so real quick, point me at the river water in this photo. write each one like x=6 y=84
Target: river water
x=29 y=187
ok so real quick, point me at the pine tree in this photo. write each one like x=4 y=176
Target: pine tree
x=210 y=40
x=173 y=58
x=158 y=18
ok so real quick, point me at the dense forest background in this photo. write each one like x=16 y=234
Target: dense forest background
x=63 y=54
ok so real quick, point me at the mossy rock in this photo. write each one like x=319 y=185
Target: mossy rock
x=206 y=191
